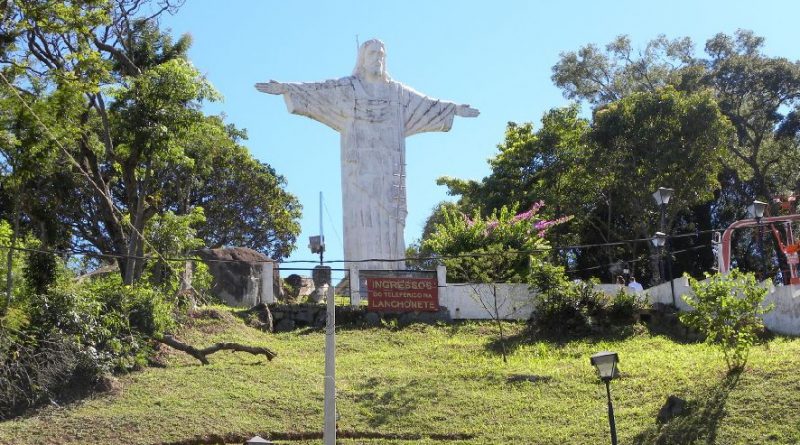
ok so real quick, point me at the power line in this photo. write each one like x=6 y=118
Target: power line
x=636 y=260
x=80 y=168
x=162 y=257
x=335 y=229
x=64 y=252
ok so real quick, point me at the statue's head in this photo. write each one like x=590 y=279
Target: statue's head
x=371 y=62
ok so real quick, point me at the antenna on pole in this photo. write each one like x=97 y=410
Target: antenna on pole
x=357 y=44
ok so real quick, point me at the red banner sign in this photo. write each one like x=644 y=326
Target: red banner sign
x=402 y=294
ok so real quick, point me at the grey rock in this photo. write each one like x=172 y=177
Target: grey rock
x=673 y=407
x=294 y=283
x=236 y=273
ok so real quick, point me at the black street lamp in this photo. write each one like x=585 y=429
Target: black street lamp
x=662 y=197
x=606 y=364
x=756 y=210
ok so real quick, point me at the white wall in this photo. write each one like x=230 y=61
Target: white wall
x=785 y=317
x=476 y=301
x=663 y=293
x=515 y=302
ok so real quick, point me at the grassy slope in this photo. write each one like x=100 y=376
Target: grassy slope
x=433 y=382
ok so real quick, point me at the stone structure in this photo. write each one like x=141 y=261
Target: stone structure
x=321 y=275
x=288 y=317
x=237 y=274
x=374 y=114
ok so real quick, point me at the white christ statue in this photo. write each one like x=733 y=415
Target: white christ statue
x=373 y=114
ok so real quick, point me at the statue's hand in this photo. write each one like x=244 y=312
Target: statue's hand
x=466 y=111
x=271 y=87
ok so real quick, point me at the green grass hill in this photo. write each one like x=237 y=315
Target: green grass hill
x=432 y=385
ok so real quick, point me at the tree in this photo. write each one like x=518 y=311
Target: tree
x=661 y=139
x=545 y=164
x=532 y=165
x=504 y=247
x=755 y=92
x=121 y=104
x=603 y=171
x=603 y=77
x=228 y=181
x=727 y=309
x=758 y=93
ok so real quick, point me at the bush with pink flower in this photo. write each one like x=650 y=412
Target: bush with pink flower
x=505 y=247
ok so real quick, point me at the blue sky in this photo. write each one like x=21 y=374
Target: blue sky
x=496 y=56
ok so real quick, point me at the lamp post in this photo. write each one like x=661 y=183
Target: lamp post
x=659 y=240
x=662 y=197
x=756 y=210
x=606 y=364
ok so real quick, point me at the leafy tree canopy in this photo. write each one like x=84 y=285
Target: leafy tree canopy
x=109 y=135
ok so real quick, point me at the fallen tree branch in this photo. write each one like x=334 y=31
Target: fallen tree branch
x=200 y=354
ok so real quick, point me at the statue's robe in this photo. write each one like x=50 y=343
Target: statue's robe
x=373 y=120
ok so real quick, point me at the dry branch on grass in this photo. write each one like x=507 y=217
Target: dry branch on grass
x=201 y=354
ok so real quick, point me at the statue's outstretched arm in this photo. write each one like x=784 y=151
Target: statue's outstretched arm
x=271 y=87
x=466 y=111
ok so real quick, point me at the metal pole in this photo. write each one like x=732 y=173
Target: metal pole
x=668 y=248
x=329 y=432
x=611 y=423
x=669 y=269
x=661 y=229
x=671 y=281
x=321 y=235
x=761 y=250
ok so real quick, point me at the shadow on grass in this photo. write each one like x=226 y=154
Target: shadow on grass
x=390 y=404
x=654 y=323
x=699 y=421
x=532 y=334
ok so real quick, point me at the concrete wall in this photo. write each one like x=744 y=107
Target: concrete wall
x=514 y=302
x=477 y=301
x=785 y=317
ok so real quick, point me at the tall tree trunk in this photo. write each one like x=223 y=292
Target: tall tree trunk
x=134 y=265
x=10 y=258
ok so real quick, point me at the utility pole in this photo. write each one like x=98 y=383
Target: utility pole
x=329 y=433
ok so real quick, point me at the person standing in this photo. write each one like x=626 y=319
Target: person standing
x=635 y=285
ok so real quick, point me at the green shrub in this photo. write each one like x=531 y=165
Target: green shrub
x=112 y=321
x=726 y=310
x=129 y=317
x=576 y=308
x=62 y=335
x=625 y=308
x=560 y=311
